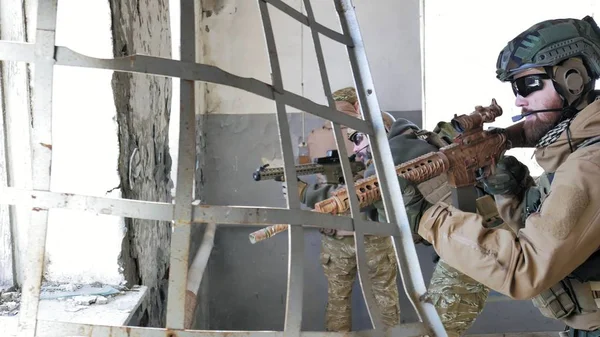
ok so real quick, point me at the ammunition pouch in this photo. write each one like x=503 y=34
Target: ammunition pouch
x=556 y=302
x=486 y=207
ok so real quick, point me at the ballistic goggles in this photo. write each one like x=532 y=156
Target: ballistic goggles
x=526 y=85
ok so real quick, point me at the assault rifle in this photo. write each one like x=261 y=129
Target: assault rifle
x=329 y=166
x=471 y=157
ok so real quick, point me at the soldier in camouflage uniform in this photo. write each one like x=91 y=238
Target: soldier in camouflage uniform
x=457 y=298
x=338 y=249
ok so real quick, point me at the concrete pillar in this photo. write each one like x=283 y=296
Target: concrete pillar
x=143 y=109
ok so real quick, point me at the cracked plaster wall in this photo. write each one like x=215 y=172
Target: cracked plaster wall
x=143 y=105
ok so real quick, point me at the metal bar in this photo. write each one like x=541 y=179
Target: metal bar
x=151 y=65
x=17 y=51
x=17 y=113
x=361 y=261
x=180 y=237
x=295 y=286
x=422 y=64
x=296 y=15
x=41 y=146
x=99 y=205
x=7 y=259
x=408 y=261
x=268 y=215
x=238 y=215
x=60 y=329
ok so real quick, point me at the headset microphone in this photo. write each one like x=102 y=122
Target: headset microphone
x=519 y=117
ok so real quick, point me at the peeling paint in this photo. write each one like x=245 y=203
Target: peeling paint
x=143 y=110
x=211 y=7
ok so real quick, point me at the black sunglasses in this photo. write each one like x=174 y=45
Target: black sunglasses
x=528 y=84
x=356 y=138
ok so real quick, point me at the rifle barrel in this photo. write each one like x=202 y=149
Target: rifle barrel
x=274 y=173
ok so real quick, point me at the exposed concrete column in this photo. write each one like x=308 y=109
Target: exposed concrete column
x=143 y=109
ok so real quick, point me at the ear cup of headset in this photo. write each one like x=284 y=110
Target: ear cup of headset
x=574 y=81
x=572 y=77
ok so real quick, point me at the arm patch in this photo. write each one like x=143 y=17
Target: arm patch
x=560 y=211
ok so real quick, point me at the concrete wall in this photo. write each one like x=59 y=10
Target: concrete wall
x=81 y=247
x=247 y=283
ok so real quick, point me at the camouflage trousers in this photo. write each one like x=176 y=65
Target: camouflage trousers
x=457 y=298
x=338 y=258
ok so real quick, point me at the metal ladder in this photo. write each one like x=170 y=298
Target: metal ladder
x=45 y=55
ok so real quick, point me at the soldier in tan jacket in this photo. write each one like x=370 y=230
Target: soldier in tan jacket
x=551 y=253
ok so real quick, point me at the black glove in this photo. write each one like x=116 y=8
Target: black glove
x=510 y=178
x=301 y=187
x=414 y=203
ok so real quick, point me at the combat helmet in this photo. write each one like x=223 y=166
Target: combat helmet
x=567 y=49
x=348 y=94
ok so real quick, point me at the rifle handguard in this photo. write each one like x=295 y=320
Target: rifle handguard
x=417 y=171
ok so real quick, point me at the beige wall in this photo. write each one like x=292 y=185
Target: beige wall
x=234 y=41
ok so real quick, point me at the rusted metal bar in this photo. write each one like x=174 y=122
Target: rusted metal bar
x=41 y=146
x=295 y=285
x=180 y=237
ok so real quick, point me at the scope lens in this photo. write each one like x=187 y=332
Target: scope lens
x=457 y=126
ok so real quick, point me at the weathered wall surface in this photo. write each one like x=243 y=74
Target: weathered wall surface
x=247 y=283
x=80 y=247
x=143 y=109
x=16 y=111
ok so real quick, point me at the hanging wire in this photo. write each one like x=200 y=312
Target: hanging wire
x=302 y=74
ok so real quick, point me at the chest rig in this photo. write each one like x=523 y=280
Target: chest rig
x=579 y=292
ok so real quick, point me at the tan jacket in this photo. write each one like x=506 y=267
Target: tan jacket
x=550 y=244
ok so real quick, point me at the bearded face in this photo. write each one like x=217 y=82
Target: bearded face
x=534 y=91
